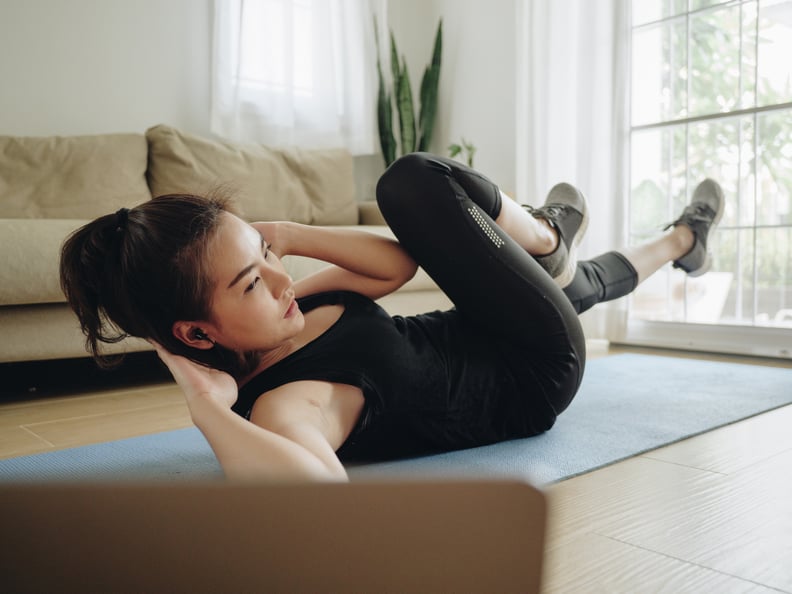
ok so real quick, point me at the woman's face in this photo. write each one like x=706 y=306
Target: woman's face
x=253 y=306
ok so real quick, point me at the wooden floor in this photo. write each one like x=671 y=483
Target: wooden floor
x=709 y=514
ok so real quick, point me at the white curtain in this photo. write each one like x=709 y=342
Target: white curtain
x=295 y=73
x=573 y=114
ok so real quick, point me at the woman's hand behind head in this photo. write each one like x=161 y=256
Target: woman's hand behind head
x=198 y=382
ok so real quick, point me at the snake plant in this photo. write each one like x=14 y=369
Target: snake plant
x=413 y=134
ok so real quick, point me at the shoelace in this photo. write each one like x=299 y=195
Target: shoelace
x=694 y=213
x=700 y=213
x=553 y=210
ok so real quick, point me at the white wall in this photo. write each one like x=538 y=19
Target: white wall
x=95 y=66
x=477 y=81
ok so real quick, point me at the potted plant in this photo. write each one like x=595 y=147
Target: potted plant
x=414 y=134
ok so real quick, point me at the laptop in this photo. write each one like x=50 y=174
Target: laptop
x=387 y=536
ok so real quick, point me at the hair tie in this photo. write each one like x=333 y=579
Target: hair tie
x=122 y=216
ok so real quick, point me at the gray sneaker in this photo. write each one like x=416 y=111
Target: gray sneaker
x=566 y=210
x=702 y=214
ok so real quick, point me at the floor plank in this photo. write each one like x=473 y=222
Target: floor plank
x=596 y=564
x=17 y=441
x=734 y=447
x=616 y=496
x=47 y=424
x=742 y=527
x=63 y=433
x=737 y=525
x=100 y=402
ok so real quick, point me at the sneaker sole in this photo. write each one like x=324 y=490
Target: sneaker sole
x=566 y=276
x=705 y=268
x=568 y=273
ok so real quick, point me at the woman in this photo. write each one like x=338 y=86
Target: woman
x=285 y=379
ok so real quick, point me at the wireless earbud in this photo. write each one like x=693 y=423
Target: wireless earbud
x=200 y=334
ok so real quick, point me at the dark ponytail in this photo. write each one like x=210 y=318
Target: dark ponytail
x=136 y=272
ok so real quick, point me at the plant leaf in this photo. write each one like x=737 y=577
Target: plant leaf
x=429 y=92
x=394 y=62
x=384 y=110
x=385 y=124
x=428 y=97
x=404 y=103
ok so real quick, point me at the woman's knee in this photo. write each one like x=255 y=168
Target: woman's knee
x=406 y=180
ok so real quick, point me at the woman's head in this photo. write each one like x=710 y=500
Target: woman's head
x=137 y=272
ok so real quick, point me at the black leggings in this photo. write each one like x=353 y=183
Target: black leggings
x=443 y=214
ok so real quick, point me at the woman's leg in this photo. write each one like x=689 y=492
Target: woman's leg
x=444 y=215
x=647 y=258
x=562 y=222
x=536 y=235
x=616 y=274
x=606 y=277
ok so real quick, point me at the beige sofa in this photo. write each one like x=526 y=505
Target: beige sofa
x=50 y=186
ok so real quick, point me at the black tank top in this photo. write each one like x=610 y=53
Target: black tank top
x=431 y=382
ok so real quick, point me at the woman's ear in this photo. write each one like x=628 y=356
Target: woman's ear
x=191 y=334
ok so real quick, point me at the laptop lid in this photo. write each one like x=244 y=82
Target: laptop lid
x=449 y=536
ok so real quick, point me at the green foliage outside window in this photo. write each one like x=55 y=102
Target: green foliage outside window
x=727 y=59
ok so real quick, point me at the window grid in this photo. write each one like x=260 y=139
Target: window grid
x=747 y=166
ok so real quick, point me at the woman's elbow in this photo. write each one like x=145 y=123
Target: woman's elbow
x=408 y=273
x=407 y=269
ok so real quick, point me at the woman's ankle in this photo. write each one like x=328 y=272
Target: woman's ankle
x=536 y=235
x=547 y=238
x=684 y=240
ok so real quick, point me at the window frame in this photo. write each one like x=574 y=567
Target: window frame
x=750 y=338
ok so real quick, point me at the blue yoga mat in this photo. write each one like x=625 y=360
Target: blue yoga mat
x=627 y=404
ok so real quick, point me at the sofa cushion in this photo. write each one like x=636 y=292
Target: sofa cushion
x=306 y=186
x=31 y=257
x=370 y=213
x=71 y=177
x=30 y=251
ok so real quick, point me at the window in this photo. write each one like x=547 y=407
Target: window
x=276 y=47
x=712 y=97
x=294 y=73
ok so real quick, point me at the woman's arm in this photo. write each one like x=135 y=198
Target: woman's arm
x=362 y=262
x=243 y=449
x=246 y=450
